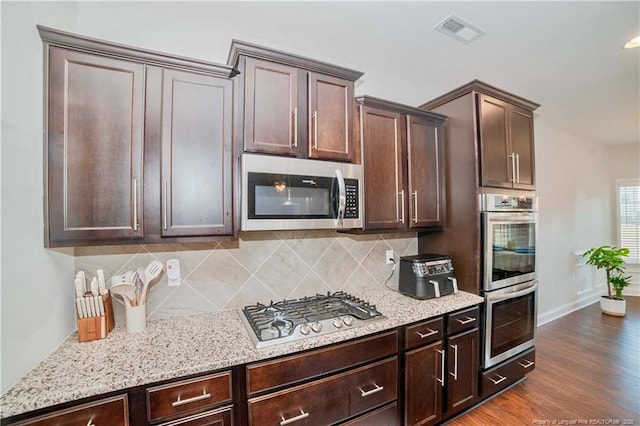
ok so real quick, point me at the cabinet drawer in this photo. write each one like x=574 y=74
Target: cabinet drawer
x=112 y=411
x=175 y=398
x=423 y=333
x=385 y=416
x=288 y=370
x=504 y=374
x=328 y=400
x=463 y=320
x=219 y=417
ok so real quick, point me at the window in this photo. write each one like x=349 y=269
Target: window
x=629 y=217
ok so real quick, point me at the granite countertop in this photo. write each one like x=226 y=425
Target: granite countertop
x=176 y=347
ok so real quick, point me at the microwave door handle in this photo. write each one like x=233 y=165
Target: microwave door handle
x=342 y=195
x=514 y=294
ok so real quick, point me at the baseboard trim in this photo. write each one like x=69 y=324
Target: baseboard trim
x=563 y=310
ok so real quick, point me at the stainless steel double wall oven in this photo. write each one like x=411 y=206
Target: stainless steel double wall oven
x=509 y=238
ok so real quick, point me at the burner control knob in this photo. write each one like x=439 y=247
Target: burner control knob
x=317 y=327
x=337 y=323
x=347 y=321
x=305 y=329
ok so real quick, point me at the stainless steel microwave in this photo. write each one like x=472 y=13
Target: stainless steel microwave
x=280 y=193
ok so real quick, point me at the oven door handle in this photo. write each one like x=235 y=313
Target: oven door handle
x=519 y=293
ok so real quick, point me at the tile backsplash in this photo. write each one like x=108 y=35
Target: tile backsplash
x=259 y=267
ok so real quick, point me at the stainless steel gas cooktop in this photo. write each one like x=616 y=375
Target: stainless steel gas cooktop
x=291 y=320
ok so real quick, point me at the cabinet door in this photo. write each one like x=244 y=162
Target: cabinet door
x=196 y=154
x=383 y=141
x=270 y=107
x=522 y=145
x=424 y=378
x=425 y=171
x=330 y=118
x=496 y=161
x=95 y=140
x=462 y=362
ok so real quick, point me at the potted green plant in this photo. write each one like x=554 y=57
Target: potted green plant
x=611 y=259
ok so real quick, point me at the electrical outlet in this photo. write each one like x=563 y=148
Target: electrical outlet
x=388 y=257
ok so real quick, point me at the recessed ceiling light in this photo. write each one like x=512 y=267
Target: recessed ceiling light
x=632 y=43
x=458 y=28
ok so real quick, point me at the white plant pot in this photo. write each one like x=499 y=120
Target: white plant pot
x=615 y=307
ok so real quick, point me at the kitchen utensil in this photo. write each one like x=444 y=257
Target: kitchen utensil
x=91 y=310
x=102 y=287
x=83 y=281
x=79 y=289
x=79 y=307
x=83 y=307
x=127 y=291
x=151 y=273
x=100 y=305
x=94 y=286
x=140 y=283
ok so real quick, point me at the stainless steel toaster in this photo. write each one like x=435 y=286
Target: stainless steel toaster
x=425 y=276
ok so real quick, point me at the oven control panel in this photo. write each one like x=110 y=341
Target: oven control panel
x=501 y=202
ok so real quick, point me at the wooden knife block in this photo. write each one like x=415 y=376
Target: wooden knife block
x=94 y=328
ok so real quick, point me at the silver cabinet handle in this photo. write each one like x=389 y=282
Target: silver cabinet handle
x=402 y=205
x=455 y=362
x=295 y=127
x=135 y=204
x=91 y=423
x=314 y=117
x=499 y=380
x=180 y=402
x=164 y=204
x=372 y=391
x=526 y=363
x=300 y=416
x=436 y=287
x=430 y=333
x=517 y=168
x=513 y=167
x=415 y=206
x=467 y=320
x=441 y=379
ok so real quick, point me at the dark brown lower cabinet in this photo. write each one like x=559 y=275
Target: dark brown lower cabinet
x=424 y=385
x=462 y=379
x=112 y=411
x=441 y=376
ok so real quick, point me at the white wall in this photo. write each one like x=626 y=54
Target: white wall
x=36 y=287
x=573 y=184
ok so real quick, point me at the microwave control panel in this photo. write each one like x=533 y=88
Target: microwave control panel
x=352 y=208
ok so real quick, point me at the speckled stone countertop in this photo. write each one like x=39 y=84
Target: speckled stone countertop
x=171 y=348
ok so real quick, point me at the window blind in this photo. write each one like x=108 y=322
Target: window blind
x=629 y=217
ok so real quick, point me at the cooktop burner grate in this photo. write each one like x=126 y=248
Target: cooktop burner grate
x=290 y=320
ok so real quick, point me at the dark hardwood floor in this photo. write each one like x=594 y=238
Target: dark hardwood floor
x=587 y=372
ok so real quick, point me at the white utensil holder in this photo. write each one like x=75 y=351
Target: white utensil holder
x=136 y=317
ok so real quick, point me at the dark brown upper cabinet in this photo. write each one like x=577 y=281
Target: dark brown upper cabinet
x=403 y=159
x=292 y=105
x=500 y=124
x=506 y=144
x=138 y=144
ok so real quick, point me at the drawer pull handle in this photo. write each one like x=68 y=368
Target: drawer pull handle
x=430 y=333
x=91 y=423
x=180 y=402
x=467 y=320
x=500 y=380
x=526 y=363
x=372 y=391
x=300 y=416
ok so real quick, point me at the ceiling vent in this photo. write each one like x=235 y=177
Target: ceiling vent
x=458 y=28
